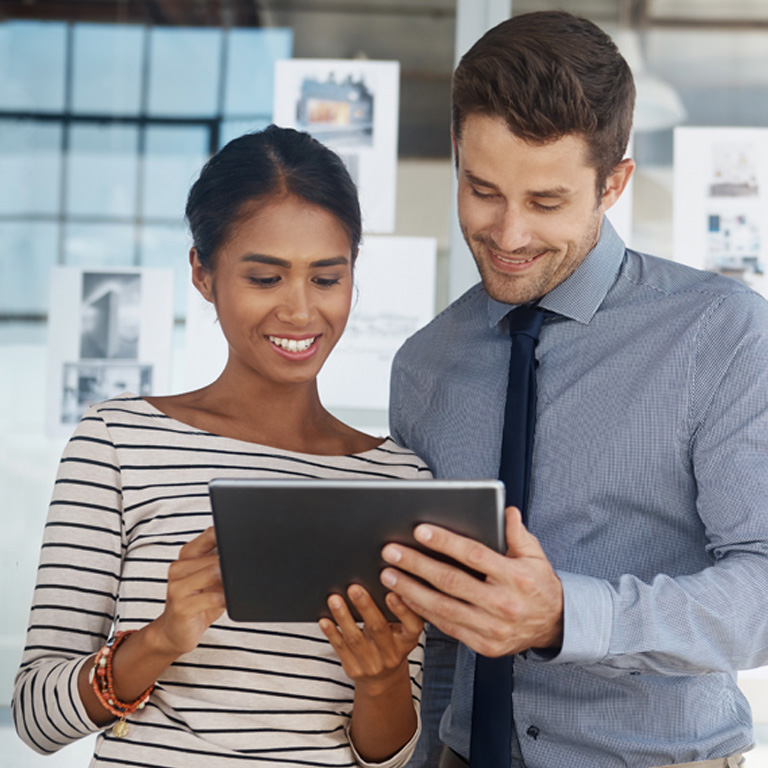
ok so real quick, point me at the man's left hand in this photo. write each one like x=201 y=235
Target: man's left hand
x=518 y=606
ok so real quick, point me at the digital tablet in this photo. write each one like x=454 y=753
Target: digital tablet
x=286 y=545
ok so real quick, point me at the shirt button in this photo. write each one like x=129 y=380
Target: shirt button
x=533 y=732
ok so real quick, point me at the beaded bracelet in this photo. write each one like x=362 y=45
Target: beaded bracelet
x=100 y=678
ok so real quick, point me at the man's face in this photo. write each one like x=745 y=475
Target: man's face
x=529 y=212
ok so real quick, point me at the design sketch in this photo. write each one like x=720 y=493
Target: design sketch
x=733 y=246
x=734 y=170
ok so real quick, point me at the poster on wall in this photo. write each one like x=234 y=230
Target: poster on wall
x=109 y=332
x=721 y=202
x=352 y=106
x=394 y=296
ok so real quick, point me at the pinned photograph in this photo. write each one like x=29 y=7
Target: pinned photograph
x=109 y=333
x=110 y=316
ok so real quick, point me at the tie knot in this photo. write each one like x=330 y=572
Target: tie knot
x=526 y=319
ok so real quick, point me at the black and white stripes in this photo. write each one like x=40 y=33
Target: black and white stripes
x=131 y=490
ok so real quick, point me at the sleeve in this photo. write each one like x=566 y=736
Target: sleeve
x=711 y=620
x=402 y=757
x=73 y=605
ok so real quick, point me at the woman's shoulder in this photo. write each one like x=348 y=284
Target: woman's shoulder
x=399 y=459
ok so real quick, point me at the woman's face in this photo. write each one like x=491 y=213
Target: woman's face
x=282 y=288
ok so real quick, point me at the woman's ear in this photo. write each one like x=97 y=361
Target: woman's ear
x=202 y=277
x=617 y=182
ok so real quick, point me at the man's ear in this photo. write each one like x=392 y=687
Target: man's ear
x=202 y=277
x=617 y=182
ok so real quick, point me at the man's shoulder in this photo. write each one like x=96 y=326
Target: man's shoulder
x=671 y=277
x=464 y=316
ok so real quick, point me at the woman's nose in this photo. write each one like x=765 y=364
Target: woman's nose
x=295 y=307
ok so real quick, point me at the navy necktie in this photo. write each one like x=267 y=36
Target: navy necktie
x=491 y=737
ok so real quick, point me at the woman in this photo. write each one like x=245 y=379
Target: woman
x=276 y=227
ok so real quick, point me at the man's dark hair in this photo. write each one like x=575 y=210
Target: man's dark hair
x=547 y=75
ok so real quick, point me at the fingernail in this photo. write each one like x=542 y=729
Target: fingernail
x=355 y=591
x=388 y=578
x=335 y=601
x=392 y=554
x=423 y=533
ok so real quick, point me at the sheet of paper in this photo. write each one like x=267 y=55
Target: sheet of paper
x=351 y=106
x=721 y=201
x=109 y=331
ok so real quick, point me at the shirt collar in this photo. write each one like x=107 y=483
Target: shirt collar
x=580 y=295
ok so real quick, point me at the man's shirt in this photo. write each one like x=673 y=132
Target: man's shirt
x=649 y=494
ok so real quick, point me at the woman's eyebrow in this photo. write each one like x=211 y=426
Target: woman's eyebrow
x=274 y=261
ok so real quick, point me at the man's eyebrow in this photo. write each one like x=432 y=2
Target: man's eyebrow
x=274 y=261
x=553 y=192
x=559 y=191
x=470 y=177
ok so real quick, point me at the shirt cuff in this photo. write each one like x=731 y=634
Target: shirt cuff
x=587 y=619
x=397 y=760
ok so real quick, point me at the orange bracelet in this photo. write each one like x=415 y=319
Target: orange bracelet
x=100 y=678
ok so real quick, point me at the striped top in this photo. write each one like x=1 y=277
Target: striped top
x=131 y=490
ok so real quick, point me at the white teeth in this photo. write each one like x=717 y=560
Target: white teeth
x=293 y=345
x=514 y=261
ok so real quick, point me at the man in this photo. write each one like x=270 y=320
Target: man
x=639 y=586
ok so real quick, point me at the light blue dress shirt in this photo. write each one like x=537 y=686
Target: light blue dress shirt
x=649 y=495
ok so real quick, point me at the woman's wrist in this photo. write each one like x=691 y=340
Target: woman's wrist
x=384 y=684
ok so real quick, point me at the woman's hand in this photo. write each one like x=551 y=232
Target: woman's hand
x=378 y=650
x=195 y=595
x=375 y=656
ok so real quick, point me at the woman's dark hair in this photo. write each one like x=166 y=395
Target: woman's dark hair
x=549 y=74
x=259 y=167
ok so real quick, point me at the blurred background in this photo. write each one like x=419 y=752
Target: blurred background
x=108 y=108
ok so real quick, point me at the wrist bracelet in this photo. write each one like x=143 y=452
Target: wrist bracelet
x=100 y=678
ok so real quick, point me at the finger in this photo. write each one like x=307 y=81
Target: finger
x=194 y=576
x=520 y=541
x=346 y=657
x=446 y=578
x=345 y=621
x=461 y=548
x=376 y=627
x=412 y=624
x=202 y=544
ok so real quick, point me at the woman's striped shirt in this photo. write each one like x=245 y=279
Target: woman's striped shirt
x=131 y=490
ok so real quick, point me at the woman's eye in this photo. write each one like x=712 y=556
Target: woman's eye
x=327 y=282
x=263 y=281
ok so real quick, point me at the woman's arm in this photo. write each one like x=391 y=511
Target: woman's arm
x=375 y=656
x=195 y=599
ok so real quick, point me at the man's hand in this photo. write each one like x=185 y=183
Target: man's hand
x=518 y=606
